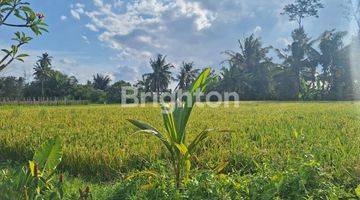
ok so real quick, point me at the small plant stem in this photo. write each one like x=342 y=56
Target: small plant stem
x=177 y=175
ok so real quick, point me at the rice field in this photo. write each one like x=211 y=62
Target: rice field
x=99 y=143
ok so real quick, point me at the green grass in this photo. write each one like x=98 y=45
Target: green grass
x=269 y=141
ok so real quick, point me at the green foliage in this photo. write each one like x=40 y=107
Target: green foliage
x=357 y=191
x=248 y=72
x=303 y=181
x=101 y=82
x=49 y=155
x=36 y=180
x=186 y=76
x=21 y=16
x=87 y=92
x=158 y=80
x=114 y=92
x=175 y=122
x=11 y=87
x=302 y=9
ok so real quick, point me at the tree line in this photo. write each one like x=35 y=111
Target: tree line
x=307 y=69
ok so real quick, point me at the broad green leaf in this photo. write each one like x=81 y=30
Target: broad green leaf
x=30 y=12
x=357 y=191
x=43 y=29
x=142 y=125
x=49 y=155
x=20 y=59
x=182 y=113
x=182 y=148
x=159 y=136
x=187 y=170
x=26 y=9
x=18 y=15
x=32 y=167
x=199 y=138
x=18 y=35
x=4 y=9
x=199 y=83
x=35 y=29
x=6 y=51
x=14 y=49
x=170 y=124
x=22 y=55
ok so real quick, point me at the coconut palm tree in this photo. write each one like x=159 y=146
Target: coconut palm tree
x=296 y=63
x=249 y=69
x=187 y=75
x=160 y=78
x=333 y=57
x=101 y=82
x=143 y=84
x=43 y=70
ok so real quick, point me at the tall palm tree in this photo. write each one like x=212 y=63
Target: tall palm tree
x=187 y=75
x=335 y=75
x=160 y=78
x=296 y=62
x=143 y=84
x=101 y=82
x=43 y=70
x=249 y=69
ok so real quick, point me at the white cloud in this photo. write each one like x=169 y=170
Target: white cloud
x=63 y=17
x=77 y=10
x=98 y=3
x=142 y=21
x=257 y=29
x=143 y=13
x=126 y=73
x=283 y=41
x=203 y=17
x=118 y=3
x=146 y=39
x=86 y=39
x=68 y=61
x=151 y=41
x=79 y=5
x=92 y=27
x=75 y=14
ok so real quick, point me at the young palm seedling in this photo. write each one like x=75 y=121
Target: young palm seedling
x=175 y=121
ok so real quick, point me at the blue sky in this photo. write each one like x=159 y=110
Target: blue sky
x=117 y=37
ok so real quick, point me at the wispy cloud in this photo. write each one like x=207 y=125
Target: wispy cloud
x=63 y=17
x=86 y=39
x=76 y=10
x=75 y=14
x=92 y=27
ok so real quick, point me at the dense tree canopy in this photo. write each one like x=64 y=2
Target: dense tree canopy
x=248 y=72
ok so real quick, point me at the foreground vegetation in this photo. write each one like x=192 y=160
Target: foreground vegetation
x=275 y=149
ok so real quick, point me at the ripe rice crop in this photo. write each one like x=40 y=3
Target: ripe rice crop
x=264 y=135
